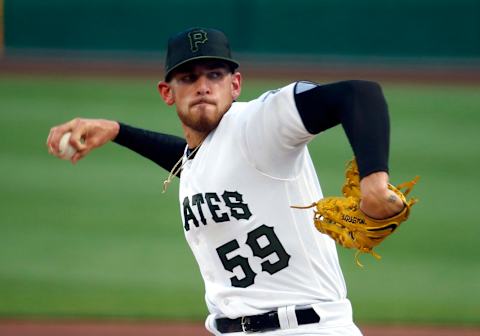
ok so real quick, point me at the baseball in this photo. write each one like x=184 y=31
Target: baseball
x=66 y=150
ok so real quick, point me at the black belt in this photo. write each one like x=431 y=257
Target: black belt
x=263 y=322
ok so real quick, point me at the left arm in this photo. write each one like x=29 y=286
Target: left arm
x=361 y=109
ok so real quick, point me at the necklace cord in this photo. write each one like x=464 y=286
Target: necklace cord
x=177 y=169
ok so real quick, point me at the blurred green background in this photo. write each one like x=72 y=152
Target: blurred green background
x=100 y=240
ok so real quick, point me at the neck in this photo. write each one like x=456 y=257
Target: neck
x=194 y=138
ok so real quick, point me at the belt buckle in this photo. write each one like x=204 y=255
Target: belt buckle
x=245 y=323
x=251 y=324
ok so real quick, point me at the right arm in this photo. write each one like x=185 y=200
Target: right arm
x=88 y=134
x=163 y=149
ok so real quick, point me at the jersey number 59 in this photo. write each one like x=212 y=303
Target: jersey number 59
x=273 y=247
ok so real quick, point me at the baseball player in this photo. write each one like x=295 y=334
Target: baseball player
x=242 y=165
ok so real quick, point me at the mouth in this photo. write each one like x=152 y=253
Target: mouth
x=202 y=101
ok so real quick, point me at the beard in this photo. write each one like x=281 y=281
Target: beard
x=200 y=124
x=202 y=118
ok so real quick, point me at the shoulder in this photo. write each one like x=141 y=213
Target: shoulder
x=263 y=101
x=286 y=92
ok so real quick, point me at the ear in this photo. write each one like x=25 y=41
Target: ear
x=236 y=84
x=166 y=92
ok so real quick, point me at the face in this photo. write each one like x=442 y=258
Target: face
x=202 y=92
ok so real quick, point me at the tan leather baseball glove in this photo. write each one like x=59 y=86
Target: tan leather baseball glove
x=342 y=219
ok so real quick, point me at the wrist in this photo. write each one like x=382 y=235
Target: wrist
x=377 y=200
x=114 y=129
x=374 y=184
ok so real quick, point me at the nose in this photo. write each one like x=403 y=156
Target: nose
x=203 y=86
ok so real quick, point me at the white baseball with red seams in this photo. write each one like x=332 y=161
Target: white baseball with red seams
x=66 y=150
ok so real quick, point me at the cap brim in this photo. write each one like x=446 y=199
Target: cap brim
x=229 y=60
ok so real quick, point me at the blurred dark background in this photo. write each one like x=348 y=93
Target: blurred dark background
x=408 y=34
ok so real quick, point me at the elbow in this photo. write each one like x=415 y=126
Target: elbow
x=366 y=95
x=364 y=88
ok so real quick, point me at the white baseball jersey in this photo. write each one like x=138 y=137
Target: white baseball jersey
x=254 y=251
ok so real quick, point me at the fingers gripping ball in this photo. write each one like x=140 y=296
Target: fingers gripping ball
x=342 y=219
x=66 y=150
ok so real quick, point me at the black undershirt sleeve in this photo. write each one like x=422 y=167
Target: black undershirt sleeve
x=360 y=107
x=163 y=149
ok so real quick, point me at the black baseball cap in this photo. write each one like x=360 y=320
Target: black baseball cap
x=197 y=43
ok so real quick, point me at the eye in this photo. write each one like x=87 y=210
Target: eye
x=188 y=78
x=215 y=75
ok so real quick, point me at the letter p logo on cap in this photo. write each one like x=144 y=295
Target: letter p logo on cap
x=196 y=37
